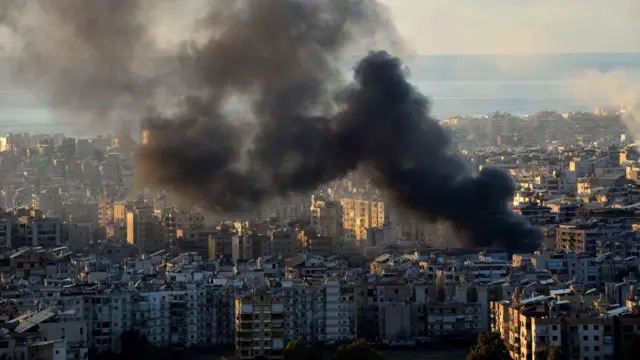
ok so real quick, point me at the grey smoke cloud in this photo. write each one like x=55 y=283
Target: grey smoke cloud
x=304 y=129
x=619 y=88
x=92 y=60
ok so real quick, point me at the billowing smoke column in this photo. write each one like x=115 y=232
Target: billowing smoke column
x=279 y=59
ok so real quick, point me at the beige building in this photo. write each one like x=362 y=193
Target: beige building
x=579 y=237
x=174 y=219
x=530 y=326
x=119 y=212
x=358 y=215
x=105 y=211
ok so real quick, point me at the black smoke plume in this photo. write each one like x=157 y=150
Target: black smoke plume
x=280 y=58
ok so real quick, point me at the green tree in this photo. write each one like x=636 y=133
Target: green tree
x=552 y=352
x=299 y=350
x=489 y=347
x=357 y=350
x=557 y=352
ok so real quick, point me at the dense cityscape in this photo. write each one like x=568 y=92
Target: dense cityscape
x=88 y=260
x=286 y=180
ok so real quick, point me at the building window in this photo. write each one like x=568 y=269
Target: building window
x=585 y=327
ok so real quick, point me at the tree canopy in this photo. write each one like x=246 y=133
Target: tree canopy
x=557 y=352
x=299 y=350
x=552 y=352
x=357 y=350
x=489 y=347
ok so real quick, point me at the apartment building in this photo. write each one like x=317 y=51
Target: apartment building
x=221 y=242
x=536 y=214
x=486 y=270
x=259 y=325
x=311 y=241
x=250 y=246
x=530 y=326
x=297 y=301
x=44 y=232
x=70 y=328
x=173 y=220
x=6 y=229
x=119 y=213
x=49 y=201
x=284 y=242
x=360 y=214
x=581 y=236
x=105 y=211
x=144 y=229
x=499 y=124
x=340 y=312
x=48 y=350
x=326 y=217
x=183 y=315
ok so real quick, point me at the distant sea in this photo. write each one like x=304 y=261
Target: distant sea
x=456 y=84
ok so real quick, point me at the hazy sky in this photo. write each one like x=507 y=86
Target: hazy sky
x=518 y=26
x=484 y=26
x=504 y=26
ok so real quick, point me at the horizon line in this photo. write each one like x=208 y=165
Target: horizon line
x=415 y=53
x=530 y=54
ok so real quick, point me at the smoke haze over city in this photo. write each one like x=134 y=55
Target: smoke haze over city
x=281 y=60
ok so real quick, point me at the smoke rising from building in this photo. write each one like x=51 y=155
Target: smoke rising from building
x=280 y=58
